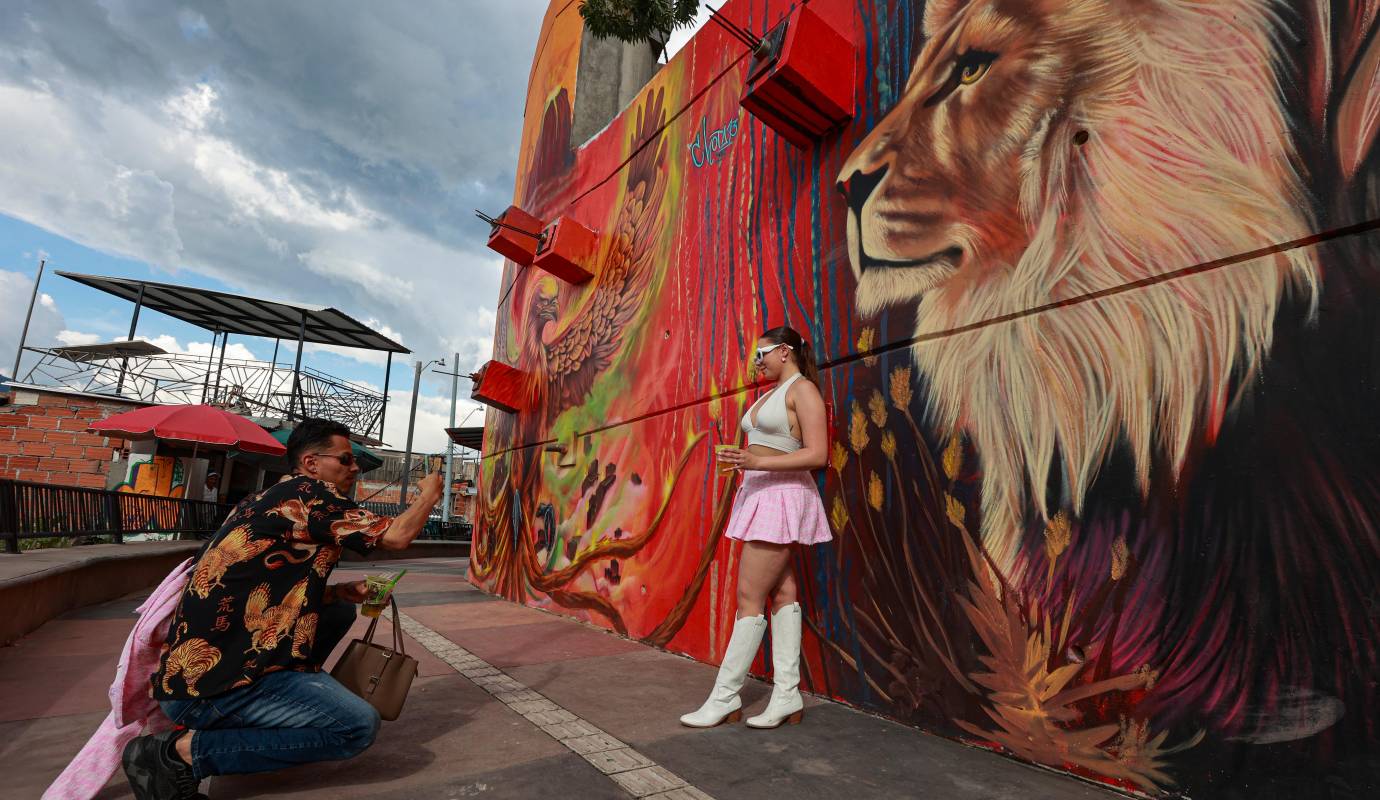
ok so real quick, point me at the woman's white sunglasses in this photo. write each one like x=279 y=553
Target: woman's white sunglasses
x=762 y=351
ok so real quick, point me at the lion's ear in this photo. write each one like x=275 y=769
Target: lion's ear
x=1358 y=109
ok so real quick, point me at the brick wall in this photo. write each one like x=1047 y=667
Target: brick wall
x=43 y=438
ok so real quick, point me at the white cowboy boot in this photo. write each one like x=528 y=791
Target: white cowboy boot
x=723 y=704
x=785 y=704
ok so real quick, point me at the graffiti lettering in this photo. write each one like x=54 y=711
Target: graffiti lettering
x=709 y=146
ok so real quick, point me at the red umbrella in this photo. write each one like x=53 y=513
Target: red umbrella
x=204 y=426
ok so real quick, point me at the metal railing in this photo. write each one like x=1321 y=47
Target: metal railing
x=436 y=530
x=39 y=510
x=253 y=388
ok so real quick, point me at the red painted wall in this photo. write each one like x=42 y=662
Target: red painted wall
x=1097 y=317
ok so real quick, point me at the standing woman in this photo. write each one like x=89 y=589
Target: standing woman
x=777 y=507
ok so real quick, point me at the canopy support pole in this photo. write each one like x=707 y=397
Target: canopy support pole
x=387 y=373
x=220 y=365
x=24 y=335
x=272 y=365
x=206 y=379
x=133 y=325
x=297 y=372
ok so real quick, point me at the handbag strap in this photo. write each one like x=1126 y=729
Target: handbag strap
x=398 y=645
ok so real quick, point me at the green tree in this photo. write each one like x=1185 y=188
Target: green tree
x=635 y=21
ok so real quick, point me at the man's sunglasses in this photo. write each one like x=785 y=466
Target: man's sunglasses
x=346 y=460
x=761 y=352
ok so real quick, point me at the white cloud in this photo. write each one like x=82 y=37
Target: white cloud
x=290 y=150
x=45 y=329
x=77 y=338
x=433 y=417
x=194 y=106
x=234 y=350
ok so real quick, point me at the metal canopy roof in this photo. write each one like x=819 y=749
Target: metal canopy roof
x=473 y=438
x=250 y=316
x=111 y=350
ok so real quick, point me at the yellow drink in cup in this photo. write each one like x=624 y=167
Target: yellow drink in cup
x=377 y=588
x=724 y=468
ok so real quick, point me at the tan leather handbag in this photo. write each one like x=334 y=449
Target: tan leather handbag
x=377 y=674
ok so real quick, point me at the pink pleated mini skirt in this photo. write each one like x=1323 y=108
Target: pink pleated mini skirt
x=779 y=507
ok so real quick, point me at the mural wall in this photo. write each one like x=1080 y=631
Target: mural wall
x=1103 y=365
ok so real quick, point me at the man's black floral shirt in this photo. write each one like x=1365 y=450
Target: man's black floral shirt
x=255 y=595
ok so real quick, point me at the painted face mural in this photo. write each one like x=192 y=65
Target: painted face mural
x=1097 y=327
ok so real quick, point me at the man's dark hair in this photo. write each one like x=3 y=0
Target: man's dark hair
x=311 y=435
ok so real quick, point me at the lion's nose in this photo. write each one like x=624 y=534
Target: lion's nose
x=856 y=188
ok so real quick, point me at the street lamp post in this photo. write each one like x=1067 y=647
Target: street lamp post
x=450 y=445
x=412 y=423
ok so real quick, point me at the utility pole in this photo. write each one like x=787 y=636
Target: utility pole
x=19 y=354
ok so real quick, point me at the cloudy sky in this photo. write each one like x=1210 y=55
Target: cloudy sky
x=317 y=151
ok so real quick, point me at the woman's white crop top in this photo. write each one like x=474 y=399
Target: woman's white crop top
x=773 y=427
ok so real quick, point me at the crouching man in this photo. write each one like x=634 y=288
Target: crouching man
x=241 y=671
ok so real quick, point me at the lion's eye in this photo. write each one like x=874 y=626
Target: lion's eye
x=972 y=73
x=971 y=66
x=968 y=70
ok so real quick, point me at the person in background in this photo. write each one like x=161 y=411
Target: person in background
x=210 y=493
x=240 y=673
x=777 y=508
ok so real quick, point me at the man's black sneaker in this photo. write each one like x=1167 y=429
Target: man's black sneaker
x=155 y=772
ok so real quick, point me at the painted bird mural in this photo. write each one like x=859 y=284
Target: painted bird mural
x=565 y=352
x=570 y=335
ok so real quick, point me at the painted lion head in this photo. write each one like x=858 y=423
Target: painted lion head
x=1046 y=149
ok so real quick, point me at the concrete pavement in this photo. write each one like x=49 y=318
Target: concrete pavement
x=513 y=702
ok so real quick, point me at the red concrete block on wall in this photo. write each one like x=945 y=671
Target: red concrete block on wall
x=73 y=424
x=801 y=83
x=501 y=386
x=567 y=250
x=519 y=245
x=37 y=449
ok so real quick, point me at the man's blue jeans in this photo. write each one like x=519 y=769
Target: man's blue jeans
x=282 y=719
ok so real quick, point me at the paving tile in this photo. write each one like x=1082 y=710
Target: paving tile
x=569 y=730
x=620 y=760
x=532 y=706
x=647 y=781
x=550 y=717
x=683 y=793
x=519 y=696
x=593 y=743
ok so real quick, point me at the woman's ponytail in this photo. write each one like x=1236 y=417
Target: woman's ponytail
x=805 y=359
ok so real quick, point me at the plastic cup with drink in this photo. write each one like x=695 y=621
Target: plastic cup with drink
x=377 y=589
